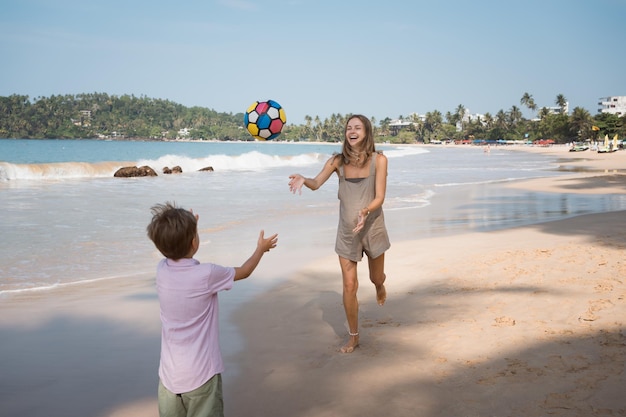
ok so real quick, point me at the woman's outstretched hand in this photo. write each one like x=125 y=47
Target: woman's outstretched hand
x=363 y=213
x=296 y=181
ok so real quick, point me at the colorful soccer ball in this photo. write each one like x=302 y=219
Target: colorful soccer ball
x=265 y=119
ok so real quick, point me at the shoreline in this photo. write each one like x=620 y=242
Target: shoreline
x=520 y=321
x=590 y=173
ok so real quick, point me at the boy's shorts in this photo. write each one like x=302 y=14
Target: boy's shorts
x=206 y=400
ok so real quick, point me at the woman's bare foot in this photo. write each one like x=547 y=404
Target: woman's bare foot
x=381 y=294
x=352 y=344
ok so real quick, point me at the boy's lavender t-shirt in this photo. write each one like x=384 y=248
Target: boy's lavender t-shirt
x=190 y=350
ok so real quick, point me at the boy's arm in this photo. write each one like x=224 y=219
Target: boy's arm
x=263 y=245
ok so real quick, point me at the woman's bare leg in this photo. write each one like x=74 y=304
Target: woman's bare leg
x=350 y=302
x=377 y=276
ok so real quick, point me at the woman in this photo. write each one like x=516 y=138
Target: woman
x=362 y=173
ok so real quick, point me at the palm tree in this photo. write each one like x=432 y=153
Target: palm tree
x=528 y=101
x=318 y=129
x=417 y=124
x=432 y=123
x=515 y=115
x=459 y=115
x=501 y=119
x=308 y=125
x=561 y=101
x=488 y=120
x=580 y=123
x=543 y=113
x=384 y=126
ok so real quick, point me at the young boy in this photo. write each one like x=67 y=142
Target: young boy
x=190 y=382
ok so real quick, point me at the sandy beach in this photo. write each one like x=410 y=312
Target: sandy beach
x=519 y=322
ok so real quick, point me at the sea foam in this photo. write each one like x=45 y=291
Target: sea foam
x=250 y=161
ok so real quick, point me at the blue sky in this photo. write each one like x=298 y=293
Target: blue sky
x=319 y=57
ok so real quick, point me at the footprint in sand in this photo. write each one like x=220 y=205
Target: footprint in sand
x=594 y=307
x=504 y=321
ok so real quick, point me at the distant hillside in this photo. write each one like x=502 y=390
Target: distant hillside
x=100 y=115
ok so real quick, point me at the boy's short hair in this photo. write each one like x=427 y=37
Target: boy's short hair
x=172 y=230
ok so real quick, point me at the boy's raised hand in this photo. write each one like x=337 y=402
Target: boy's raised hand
x=197 y=216
x=265 y=244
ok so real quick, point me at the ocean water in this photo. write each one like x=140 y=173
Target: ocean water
x=65 y=219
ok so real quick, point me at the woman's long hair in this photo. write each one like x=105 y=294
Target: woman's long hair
x=368 y=148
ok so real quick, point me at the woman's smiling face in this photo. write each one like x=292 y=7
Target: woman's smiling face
x=355 y=132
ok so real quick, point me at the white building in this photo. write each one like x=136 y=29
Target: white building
x=397 y=125
x=417 y=116
x=557 y=109
x=183 y=133
x=475 y=117
x=614 y=105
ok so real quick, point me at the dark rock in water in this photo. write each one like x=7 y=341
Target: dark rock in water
x=175 y=170
x=209 y=169
x=126 y=172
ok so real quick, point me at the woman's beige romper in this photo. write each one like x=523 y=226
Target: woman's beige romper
x=355 y=194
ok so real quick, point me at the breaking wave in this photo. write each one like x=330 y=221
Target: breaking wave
x=251 y=161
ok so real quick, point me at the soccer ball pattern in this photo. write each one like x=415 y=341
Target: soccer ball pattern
x=265 y=119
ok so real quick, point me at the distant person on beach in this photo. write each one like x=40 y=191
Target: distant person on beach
x=190 y=382
x=362 y=173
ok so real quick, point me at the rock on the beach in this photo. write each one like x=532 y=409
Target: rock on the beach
x=143 y=171
x=209 y=169
x=175 y=170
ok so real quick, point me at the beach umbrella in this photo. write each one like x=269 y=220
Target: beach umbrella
x=615 y=142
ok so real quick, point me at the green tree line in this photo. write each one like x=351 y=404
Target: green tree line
x=102 y=115
x=510 y=125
